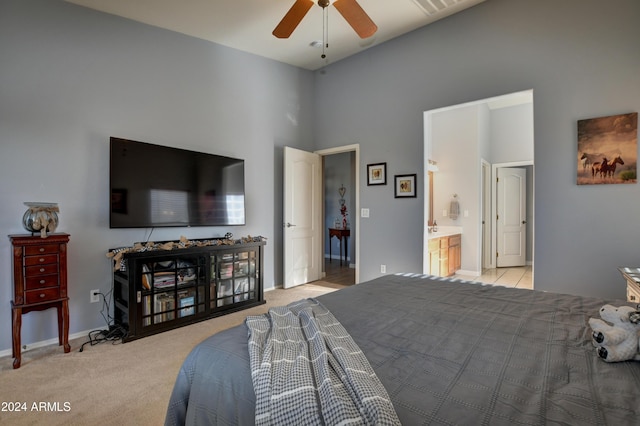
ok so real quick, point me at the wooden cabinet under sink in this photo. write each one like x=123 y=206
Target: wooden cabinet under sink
x=445 y=255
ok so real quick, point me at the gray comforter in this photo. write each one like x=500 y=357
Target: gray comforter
x=448 y=353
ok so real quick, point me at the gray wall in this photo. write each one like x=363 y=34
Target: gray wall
x=579 y=62
x=71 y=77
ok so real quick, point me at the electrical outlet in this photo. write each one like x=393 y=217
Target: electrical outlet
x=383 y=269
x=94 y=296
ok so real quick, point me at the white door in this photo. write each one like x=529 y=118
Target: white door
x=302 y=217
x=512 y=217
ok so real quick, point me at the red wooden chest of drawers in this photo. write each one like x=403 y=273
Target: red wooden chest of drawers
x=39 y=283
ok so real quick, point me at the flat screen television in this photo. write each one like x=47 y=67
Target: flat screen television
x=159 y=186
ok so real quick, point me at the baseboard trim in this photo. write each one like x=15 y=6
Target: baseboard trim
x=43 y=343
x=468 y=273
x=337 y=257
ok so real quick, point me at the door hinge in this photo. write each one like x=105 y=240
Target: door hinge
x=497 y=254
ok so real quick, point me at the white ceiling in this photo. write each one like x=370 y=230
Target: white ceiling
x=247 y=24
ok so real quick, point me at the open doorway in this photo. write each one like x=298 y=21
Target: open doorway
x=303 y=215
x=468 y=142
x=340 y=210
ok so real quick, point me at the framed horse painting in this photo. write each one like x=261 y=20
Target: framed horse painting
x=607 y=149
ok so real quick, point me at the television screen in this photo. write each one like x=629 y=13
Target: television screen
x=158 y=186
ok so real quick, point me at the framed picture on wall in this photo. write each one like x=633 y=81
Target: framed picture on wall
x=607 y=149
x=405 y=186
x=377 y=174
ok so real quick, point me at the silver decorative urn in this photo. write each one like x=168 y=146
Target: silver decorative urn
x=41 y=217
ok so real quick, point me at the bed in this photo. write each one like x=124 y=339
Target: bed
x=448 y=352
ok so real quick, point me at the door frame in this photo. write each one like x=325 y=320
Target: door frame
x=494 y=206
x=486 y=221
x=339 y=150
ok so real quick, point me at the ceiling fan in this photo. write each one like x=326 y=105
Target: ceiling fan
x=349 y=9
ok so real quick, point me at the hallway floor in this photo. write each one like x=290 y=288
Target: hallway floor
x=339 y=274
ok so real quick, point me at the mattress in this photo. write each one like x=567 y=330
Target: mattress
x=448 y=352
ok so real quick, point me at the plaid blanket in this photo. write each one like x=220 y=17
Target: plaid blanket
x=307 y=370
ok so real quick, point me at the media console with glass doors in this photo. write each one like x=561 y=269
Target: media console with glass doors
x=158 y=290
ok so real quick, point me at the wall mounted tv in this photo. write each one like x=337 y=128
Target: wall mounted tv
x=159 y=186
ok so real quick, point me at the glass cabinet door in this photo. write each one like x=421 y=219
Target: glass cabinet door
x=235 y=278
x=172 y=288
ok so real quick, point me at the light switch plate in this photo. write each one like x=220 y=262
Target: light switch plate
x=364 y=212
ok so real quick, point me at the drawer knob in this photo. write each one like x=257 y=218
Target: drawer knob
x=41 y=259
x=41 y=269
x=42 y=281
x=42 y=295
x=41 y=249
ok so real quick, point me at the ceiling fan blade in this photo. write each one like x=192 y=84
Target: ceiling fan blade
x=356 y=17
x=292 y=18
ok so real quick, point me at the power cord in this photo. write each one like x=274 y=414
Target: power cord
x=114 y=333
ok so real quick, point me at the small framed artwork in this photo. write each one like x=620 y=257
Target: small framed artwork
x=405 y=186
x=377 y=174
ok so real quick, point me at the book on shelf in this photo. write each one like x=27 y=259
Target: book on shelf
x=242 y=268
x=225 y=289
x=241 y=286
x=186 y=303
x=164 y=306
x=226 y=270
x=225 y=301
x=164 y=279
x=147 y=278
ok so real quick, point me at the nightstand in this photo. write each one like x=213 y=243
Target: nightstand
x=39 y=283
x=632 y=275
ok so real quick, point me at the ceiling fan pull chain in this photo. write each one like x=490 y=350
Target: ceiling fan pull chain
x=325 y=31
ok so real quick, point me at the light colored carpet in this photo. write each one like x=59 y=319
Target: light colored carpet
x=121 y=384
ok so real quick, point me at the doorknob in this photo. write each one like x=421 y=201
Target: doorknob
x=289 y=225
x=524 y=222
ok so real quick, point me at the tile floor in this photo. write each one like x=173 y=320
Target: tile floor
x=520 y=277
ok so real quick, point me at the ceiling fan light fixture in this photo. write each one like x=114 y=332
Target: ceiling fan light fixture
x=350 y=10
